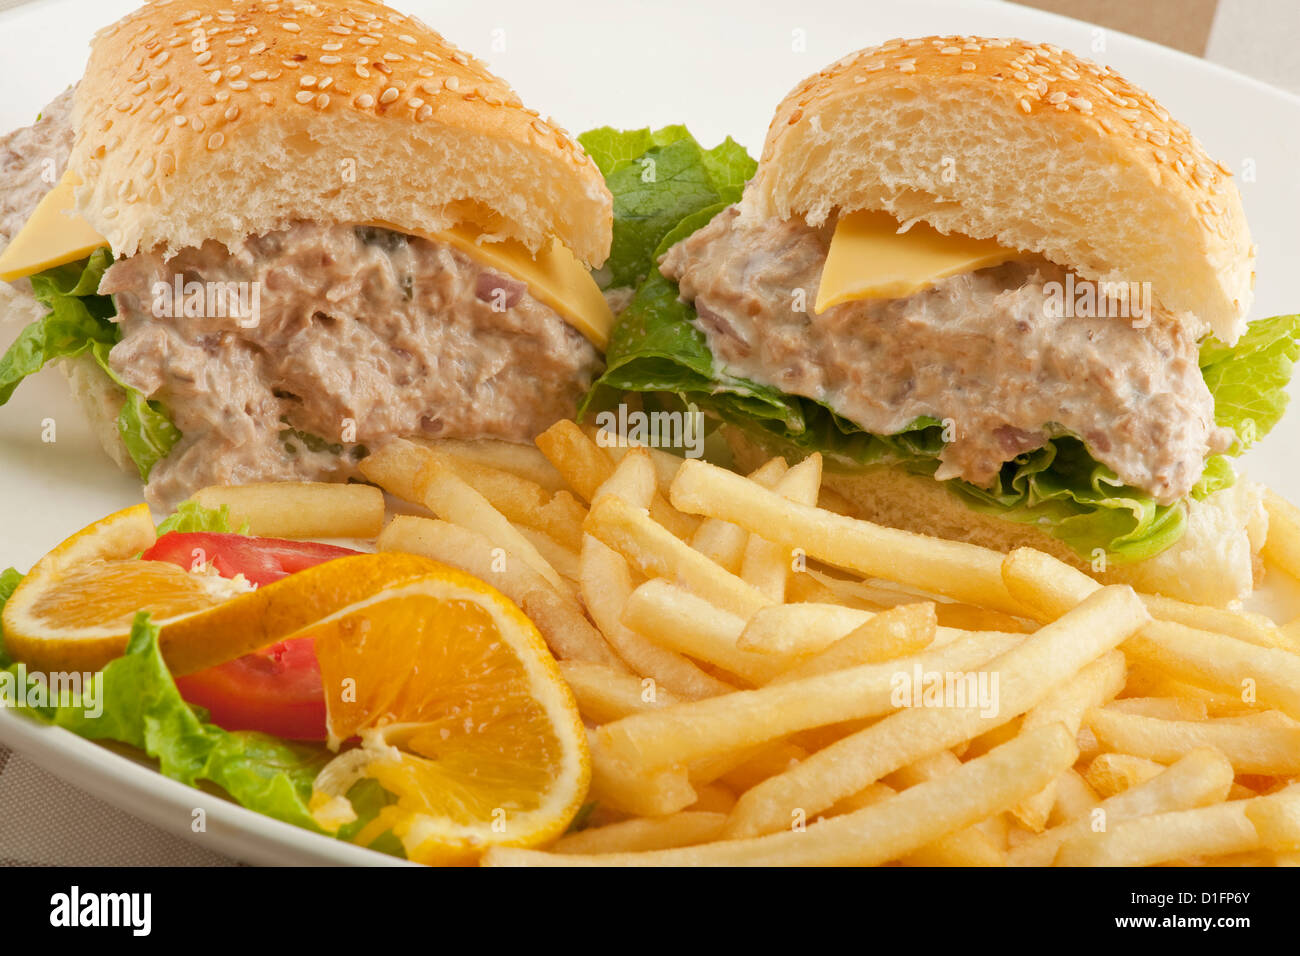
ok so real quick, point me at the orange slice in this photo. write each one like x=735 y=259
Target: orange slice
x=462 y=714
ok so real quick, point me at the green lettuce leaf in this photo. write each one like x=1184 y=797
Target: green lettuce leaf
x=80 y=320
x=1059 y=488
x=9 y=579
x=139 y=705
x=191 y=516
x=658 y=178
x=1248 y=380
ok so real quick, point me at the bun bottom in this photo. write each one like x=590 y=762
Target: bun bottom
x=1215 y=562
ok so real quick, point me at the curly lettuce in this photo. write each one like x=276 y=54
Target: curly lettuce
x=1059 y=488
x=80 y=321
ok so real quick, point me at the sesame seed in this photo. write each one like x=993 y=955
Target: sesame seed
x=257 y=47
x=365 y=101
x=322 y=101
x=290 y=26
x=258 y=76
x=214 y=76
x=308 y=80
x=367 y=41
x=325 y=83
x=425 y=113
x=415 y=102
x=266 y=98
x=1057 y=97
x=231 y=114
x=180 y=120
x=330 y=60
x=215 y=140
x=340 y=31
x=388 y=95
x=1080 y=103
x=331 y=46
x=236 y=41
x=968 y=65
x=304 y=96
x=239 y=85
x=1024 y=105
x=234 y=71
x=362 y=71
x=197 y=125
x=452 y=83
x=950 y=50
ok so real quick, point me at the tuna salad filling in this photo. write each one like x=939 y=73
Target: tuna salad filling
x=977 y=352
x=333 y=339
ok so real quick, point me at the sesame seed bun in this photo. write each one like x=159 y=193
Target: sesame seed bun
x=217 y=119
x=1024 y=142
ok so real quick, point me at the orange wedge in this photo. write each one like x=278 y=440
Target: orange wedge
x=73 y=610
x=462 y=715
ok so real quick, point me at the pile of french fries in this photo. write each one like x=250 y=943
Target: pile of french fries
x=736 y=645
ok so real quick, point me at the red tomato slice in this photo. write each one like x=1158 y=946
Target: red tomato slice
x=259 y=560
x=278 y=689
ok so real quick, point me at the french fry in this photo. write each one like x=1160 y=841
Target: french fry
x=1205 y=831
x=567 y=631
x=300 y=509
x=522 y=460
x=1074 y=798
x=465 y=549
x=766 y=564
x=563 y=560
x=962 y=571
x=761 y=763
x=1027 y=674
x=704 y=728
x=1094 y=686
x=1251 y=749
x=607 y=585
x=1282 y=544
x=606 y=693
x=1243 y=625
x=687 y=828
x=1214 y=661
x=1277 y=821
x=712 y=798
x=795 y=630
x=725 y=542
x=616 y=446
x=884 y=831
x=678 y=620
x=1200 y=778
x=637 y=792
x=899 y=632
x=655 y=552
x=562 y=519
x=969 y=847
x=1166 y=708
x=586 y=467
x=1112 y=773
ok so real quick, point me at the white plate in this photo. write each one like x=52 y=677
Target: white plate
x=719 y=67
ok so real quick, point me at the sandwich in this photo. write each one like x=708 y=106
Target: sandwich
x=266 y=237
x=1004 y=294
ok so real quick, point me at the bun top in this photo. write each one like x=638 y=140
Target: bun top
x=217 y=119
x=1026 y=143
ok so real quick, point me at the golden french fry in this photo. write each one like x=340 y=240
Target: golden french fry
x=761 y=763
x=766 y=564
x=655 y=552
x=1201 y=778
x=1277 y=821
x=567 y=631
x=465 y=549
x=794 y=630
x=640 y=793
x=1094 y=686
x=300 y=509
x=562 y=559
x=1205 y=831
x=562 y=519
x=687 y=828
x=1251 y=749
x=962 y=571
x=884 y=831
x=1074 y=798
x=704 y=728
x=1026 y=675
x=1112 y=773
x=1166 y=708
x=607 y=693
x=678 y=620
x=1282 y=544
x=616 y=446
x=725 y=542
x=525 y=461
x=1214 y=661
x=969 y=847
x=899 y=632
x=713 y=798
x=586 y=467
x=1243 y=625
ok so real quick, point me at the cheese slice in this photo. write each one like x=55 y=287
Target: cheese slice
x=554 y=276
x=53 y=235
x=870 y=259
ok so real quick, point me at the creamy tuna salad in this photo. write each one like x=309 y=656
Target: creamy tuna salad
x=978 y=349
x=307 y=346
x=360 y=334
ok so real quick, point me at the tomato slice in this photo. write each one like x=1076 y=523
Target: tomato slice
x=278 y=689
x=259 y=560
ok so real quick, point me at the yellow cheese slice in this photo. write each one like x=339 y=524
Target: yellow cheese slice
x=55 y=234
x=52 y=236
x=554 y=276
x=870 y=259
